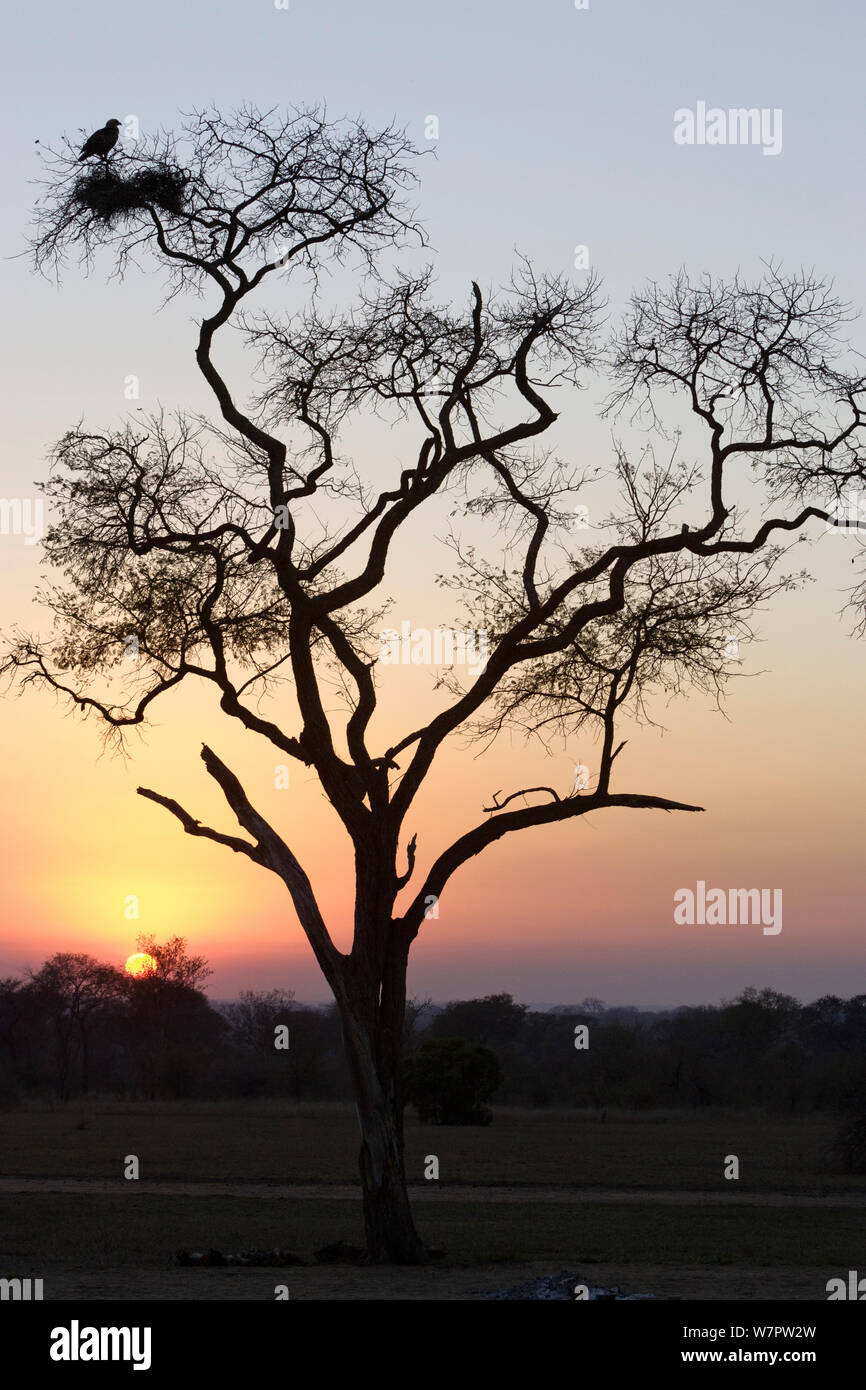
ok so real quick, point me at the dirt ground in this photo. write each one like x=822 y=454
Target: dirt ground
x=328 y=1282
x=131 y=1283
x=317 y=1192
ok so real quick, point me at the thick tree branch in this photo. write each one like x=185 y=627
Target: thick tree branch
x=474 y=841
x=270 y=851
x=194 y=827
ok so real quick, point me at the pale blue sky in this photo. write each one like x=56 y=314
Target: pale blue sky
x=555 y=129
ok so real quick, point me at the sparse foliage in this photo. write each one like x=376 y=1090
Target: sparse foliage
x=253 y=551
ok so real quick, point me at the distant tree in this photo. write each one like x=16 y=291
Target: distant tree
x=691 y=1065
x=317 y=1060
x=255 y=1014
x=590 y=1007
x=174 y=964
x=825 y=1018
x=416 y=1009
x=757 y=1018
x=72 y=989
x=613 y=1062
x=449 y=1079
x=15 y=1004
x=495 y=1020
x=170 y=1025
x=782 y=1006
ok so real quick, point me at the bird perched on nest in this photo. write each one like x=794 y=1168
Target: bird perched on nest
x=101 y=141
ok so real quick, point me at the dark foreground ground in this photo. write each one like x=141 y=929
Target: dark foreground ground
x=639 y=1201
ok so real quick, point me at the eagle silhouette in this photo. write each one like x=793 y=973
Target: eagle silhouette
x=101 y=141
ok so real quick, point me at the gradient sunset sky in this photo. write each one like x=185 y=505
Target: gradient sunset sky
x=555 y=130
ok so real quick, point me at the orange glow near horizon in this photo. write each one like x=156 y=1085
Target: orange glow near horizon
x=550 y=915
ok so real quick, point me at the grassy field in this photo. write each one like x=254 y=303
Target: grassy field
x=279 y=1142
x=673 y=1219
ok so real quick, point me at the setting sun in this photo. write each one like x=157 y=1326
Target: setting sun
x=140 y=964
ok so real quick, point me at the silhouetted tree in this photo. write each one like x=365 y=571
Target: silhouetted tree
x=415 y=1020
x=495 y=1020
x=15 y=1004
x=170 y=1025
x=174 y=964
x=72 y=989
x=255 y=1015
x=212 y=544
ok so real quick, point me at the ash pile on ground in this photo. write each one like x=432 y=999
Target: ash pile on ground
x=561 y=1287
x=340 y=1253
x=266 y=1259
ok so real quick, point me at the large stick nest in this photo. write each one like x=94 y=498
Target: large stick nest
x=112 y=197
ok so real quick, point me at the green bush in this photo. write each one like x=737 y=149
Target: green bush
x=448 y=1080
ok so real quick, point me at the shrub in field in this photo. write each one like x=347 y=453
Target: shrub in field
x=448 y=1080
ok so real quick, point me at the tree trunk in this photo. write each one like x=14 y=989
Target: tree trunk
x=63 y=1062
x=85 y=1063
x=374 y=1067
x=390 y=1229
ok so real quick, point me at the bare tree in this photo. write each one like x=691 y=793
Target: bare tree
x=173 y=965
x=226 y=572
x=255 y=1015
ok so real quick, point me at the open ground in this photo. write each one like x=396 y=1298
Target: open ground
x=634 y=1199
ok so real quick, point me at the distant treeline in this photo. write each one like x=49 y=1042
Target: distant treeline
x=77 y=1026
